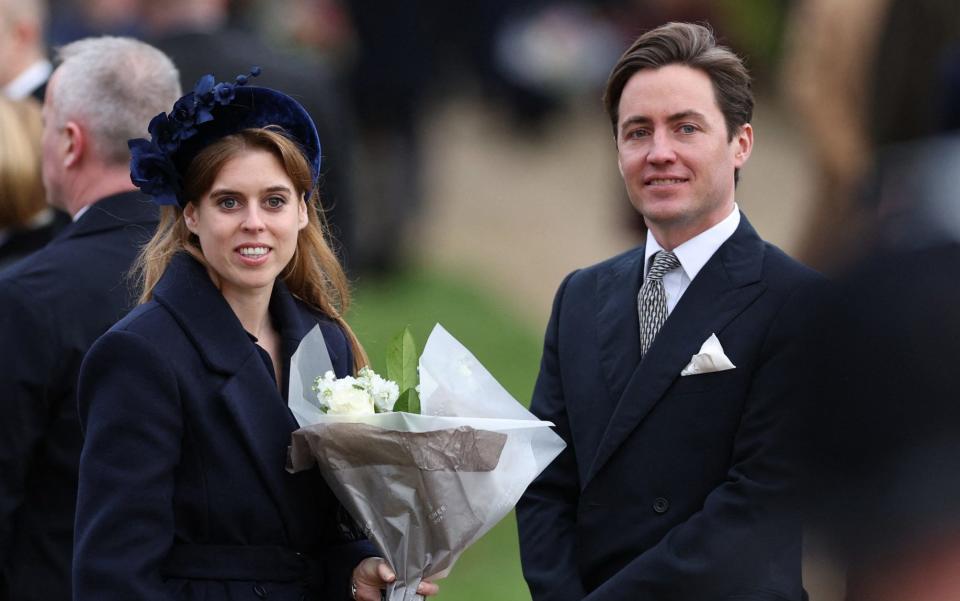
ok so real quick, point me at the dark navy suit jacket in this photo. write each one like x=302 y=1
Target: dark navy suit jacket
x=186 y=437
x=671 y=487
x=53 y=305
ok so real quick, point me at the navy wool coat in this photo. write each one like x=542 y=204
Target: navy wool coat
x=671 y=487
x=183 y=491
x=53 y=305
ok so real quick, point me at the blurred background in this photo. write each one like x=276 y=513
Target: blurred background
x=468 y=167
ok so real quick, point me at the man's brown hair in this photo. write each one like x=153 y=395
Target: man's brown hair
x=694 y=46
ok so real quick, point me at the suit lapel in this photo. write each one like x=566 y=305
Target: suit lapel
x=726 y=285
x=259 y=412
x=617 y=321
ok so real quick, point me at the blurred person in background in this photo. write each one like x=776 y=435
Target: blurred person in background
x=199 y=37
x=24 y=68
x=57 y=301
x=27 y=223
x=71 y=20
x=884 y=451
x=830 y=47
x=671 y=370
x=24 y=71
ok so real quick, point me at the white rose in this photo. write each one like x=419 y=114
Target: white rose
x=349 y=400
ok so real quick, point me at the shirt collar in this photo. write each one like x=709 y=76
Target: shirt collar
x=80 y=213
x=695 y=252
x=29 y=80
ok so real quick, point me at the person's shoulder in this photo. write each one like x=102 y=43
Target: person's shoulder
x=586 y=278
x=611 y=266
x=150 y=321
x=45 y=272
x=333 y=333
x=796 y=286
x=782 y=269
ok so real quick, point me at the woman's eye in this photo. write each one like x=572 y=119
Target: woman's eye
x=275 y=202
x=228 y=203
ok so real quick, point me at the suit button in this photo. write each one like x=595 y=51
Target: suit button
x=661 y=505
x=259 y=591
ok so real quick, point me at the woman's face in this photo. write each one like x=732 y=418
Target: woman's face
x=248 y=222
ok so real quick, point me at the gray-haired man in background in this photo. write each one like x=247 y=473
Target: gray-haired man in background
x=55 y=303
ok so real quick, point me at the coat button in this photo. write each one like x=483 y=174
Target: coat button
x=661 y=505
x=259 y=591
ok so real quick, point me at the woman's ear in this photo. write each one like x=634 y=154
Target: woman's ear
x=190 y=217
x=303 y=218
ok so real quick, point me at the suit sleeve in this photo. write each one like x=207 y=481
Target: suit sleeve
x=546 y=514
x=27 y=372
x=131 y=416
x=745 y=521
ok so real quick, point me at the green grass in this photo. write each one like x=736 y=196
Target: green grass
x=504 y=344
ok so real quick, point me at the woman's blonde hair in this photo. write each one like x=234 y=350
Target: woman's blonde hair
x=313 y=275
x=21 y=185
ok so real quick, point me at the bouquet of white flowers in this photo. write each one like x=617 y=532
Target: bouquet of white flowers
x=423 y=487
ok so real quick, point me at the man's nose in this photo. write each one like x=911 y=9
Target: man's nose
x=661 y=148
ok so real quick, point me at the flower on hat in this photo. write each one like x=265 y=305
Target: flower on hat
x=152 y=171
x=151 y=161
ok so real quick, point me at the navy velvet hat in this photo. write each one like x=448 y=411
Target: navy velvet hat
x=208 y=113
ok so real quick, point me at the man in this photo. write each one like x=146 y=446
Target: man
x=24 y=68
x=673 y=481
x=56 y=302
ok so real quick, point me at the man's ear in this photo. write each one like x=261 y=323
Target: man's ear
x=75 y=144
x=744 y=145
x=190 y=217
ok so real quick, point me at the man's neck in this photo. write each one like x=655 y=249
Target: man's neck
x=676 y=234
x=97 y=186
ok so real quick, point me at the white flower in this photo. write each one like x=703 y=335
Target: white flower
x=351 y=400
x=343 y=396
x=384 y=392
x=367 y=393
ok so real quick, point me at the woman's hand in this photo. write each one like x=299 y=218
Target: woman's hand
x=373 y=575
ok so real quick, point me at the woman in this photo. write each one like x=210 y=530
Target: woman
x=183 y=492
x=26 y=222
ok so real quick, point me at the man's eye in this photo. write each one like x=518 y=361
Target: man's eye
x=688 y=129
x=637 y=133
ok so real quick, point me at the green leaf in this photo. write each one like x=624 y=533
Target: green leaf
x=408 y=402
x=402 y=361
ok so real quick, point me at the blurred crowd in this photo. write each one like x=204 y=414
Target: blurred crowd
x=875 y=84
x=368 y=73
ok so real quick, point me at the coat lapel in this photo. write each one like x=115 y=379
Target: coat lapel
x=259 y=412
x=618 y=322
x=728 y=283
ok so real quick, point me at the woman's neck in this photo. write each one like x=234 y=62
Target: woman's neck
x=252 y=308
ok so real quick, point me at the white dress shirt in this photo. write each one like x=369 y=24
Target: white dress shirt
x=29 y=80
x=692 y=254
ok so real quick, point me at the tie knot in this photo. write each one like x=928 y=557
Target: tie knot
x=664 y=261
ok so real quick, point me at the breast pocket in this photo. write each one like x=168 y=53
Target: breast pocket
x=709 y=382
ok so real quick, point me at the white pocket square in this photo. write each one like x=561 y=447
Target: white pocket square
x=711 y=358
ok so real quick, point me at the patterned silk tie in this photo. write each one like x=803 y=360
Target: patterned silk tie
x=652 y=300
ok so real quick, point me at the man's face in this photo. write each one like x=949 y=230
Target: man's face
x=52 y=146
x=674 y=153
